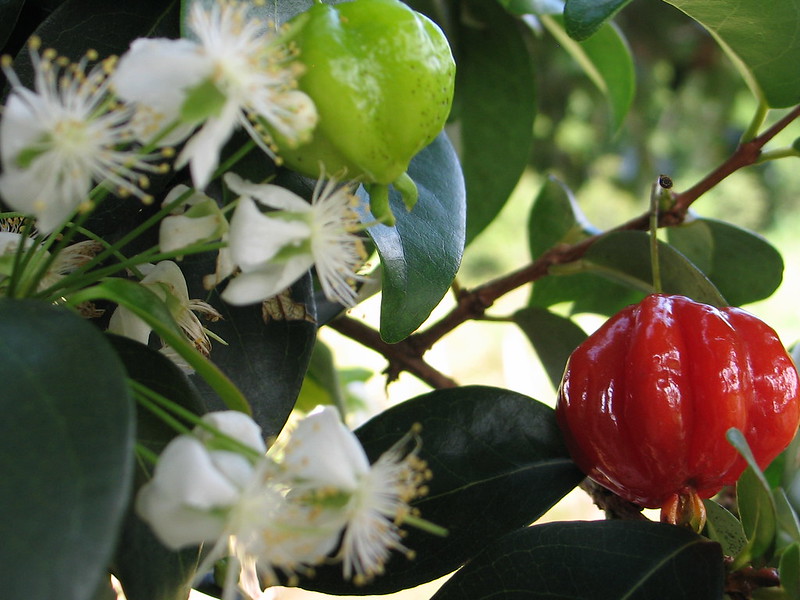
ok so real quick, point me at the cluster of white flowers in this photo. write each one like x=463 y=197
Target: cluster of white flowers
x=112 y=124
x=286 y=510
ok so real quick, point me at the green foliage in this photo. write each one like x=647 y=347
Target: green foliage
x=606 y=59
x=593 y=561
x=64 y=398
x=765 y=61
x=743 y=266
x=495 y=107
x=584 y=17
x=421 y=254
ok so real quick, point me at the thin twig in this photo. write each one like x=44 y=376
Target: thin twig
x=401 y=357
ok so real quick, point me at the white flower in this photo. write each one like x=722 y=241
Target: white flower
x=197 y=219
x=285 y=511
x=326 y=462
x=234 y=74
x=193 y=486
x=57 y=140
x=68 y=259
x=274 y=250
x=168 y=282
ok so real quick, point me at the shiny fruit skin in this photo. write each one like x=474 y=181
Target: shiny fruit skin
x=381 y=76
x=646 y=401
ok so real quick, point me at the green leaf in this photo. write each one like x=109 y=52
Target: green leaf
x=107 y=27
x=584 y=17
x=553 y=337
x=265 y=360
x=498 y=463
x=762 y=39
x=587 y=292
x=555 y=219
x=67 y=452
x=606 y=59
x=741 y=264
x=421 y=254
x=321 y=384
x=788 y=523
x=625 y=257
x=495 y=104
x=9 y=13
x=756 y=507
x=790 y=571
x=723 y=527
x=600 y=560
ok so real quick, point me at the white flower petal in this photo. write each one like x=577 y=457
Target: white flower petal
x=237 y=425
x=323 y=450
x=124 y=322
x=176 y=231
x=186 y=472
x=155 y=74
x=267 y=281
x=20 y=126
x=255 y=238
x=267 y=194
x=175 y=524
x=202 y=150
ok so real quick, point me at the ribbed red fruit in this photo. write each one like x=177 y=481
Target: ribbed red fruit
x=646 y=401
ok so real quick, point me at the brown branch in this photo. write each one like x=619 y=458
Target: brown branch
x=472 y=304
x=401 y=357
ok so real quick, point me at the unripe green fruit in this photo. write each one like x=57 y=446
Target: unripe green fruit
x=381 y=76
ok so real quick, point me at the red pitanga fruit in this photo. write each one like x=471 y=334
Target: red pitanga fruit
x=646 y=401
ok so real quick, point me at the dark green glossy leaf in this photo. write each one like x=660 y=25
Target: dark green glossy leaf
x=606 y=59
x=555 y=219
x=67 y=452
x=584 y=17
x=145 y=568
x=723 y=527
x=266 y=361
x=553 y=337
x=766 y=59
x=742 y=265
x=107 y=27
x=496 y=104
x=601 y=560
x=498 y=463
x=790 y=571
x=149 y=571
x=625 y=257
x=9 y=13
x=756 y=507
x=421 y=254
